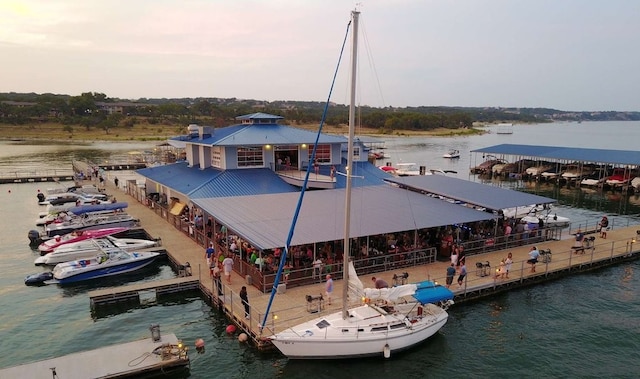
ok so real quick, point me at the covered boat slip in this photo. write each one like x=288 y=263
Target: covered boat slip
x=558 y=157
x=559 y=153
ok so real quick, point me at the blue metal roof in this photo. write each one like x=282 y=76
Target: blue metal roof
x=179 y=176
x=264 y=220
x=626 y=157
x=243 y=182
x=261 y=134
x=465 y=191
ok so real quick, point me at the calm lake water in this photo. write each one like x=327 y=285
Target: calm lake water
x=582 y=326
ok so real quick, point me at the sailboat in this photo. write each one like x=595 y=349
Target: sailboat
x=372 y=322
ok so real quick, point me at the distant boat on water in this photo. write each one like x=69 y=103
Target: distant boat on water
x=505 y=129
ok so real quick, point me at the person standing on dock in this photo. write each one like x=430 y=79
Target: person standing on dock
x=451 y=272
x=533 y=258
x=507 y=264
x=245 y=301
x=328 y=288
x=463 y=272
x=116 y=181
x=227 y=265
x=209 y=253
x=603 y=225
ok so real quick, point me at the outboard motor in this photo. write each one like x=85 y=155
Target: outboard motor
x=40 y=197
x=34 y=237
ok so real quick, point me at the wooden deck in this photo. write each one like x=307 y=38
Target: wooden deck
x=35 y=176
x=128 y=360
x=291 y=306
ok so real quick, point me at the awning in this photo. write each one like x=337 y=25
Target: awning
x=177 y=208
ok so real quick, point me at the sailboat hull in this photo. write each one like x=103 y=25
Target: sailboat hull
x=367 y=333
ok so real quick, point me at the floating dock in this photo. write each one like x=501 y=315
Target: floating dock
x=36 y=176
x=142 y=292
x=135 y=359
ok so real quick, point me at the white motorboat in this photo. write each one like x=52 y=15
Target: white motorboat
x=533 y=213
x=388 y=321
x=76 y=236
x=538 y=170
x=88 y=222
x=91 y=247
x=110 y=263
x=73 y=197
x=407 y=169
x=70 y=212
x=453 y=153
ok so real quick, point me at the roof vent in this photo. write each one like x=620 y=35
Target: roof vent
x=192 y=130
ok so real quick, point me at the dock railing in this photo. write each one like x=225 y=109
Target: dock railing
x=483 y=274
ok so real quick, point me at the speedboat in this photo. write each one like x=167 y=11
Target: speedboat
x=407 y=169
x=107 y=263
x=73 y=197
x=575 y=172
x=620 y=176
x=87 y=222
x=89 y=248
x=538 y=170
x=486 y=166
x=532 y=214
x=549 y=220
x=68 y=213
x=453 y=153
x=59 y=240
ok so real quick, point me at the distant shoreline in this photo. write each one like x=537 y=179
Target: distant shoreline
x=76 y=134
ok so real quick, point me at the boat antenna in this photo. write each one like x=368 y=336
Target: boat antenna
x=304 y=186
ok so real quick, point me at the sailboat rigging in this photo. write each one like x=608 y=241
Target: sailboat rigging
x=389 y=320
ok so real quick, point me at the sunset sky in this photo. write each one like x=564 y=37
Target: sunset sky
x=563 y=54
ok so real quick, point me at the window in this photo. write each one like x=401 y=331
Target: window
x=250 y=157
x=323 y=153
x=216 y=156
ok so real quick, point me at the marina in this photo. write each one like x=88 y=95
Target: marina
x=465 y=332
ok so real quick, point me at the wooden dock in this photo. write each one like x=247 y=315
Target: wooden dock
x=36 y=176
x=291 y=306
x=142 y=292
x=134 y=359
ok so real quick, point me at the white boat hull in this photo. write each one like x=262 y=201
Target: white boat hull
x=94 y=268
x=369 y=334
x=90 y=248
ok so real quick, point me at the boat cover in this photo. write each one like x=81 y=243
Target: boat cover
x=429 y=292
x=82 y=209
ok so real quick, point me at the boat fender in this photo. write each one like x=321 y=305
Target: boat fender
x=387 y=351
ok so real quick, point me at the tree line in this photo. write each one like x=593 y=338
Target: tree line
x=91 y=109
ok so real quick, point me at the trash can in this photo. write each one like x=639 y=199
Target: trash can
x=249 y=280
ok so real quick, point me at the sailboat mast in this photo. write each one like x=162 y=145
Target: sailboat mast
x=352 y=116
